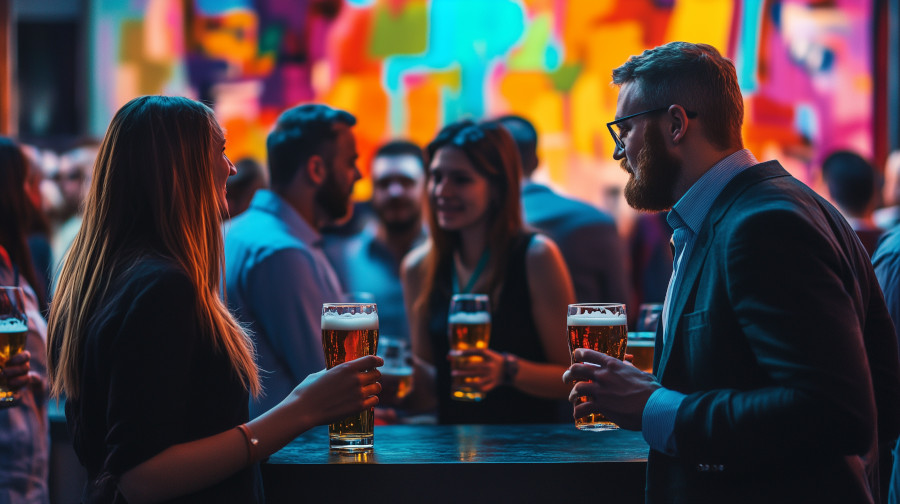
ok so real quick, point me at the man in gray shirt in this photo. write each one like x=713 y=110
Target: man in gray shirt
x=586 y=236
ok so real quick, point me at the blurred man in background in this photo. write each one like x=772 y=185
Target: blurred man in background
x=241 y=186
x=277 y=275
x=370 y=261
x=586 y=236
x=851 y=186
x=73 y=178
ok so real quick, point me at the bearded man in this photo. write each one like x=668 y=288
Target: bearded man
x=276 y=274
x=776 y=374
x=369 y=261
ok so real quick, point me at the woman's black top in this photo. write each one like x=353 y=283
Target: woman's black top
x=151 y=379
x=512 y=330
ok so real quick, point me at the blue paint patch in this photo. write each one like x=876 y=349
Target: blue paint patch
x=214 y=7
x=552 y=57
x=747 y=57
x=805 y=121
x=470 y=34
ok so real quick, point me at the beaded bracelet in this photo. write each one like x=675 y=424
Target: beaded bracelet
x=252 y=444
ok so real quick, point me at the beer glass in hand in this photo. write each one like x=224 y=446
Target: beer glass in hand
x=13 y=330
x=599 y=327
x=468 y=327
x=350 y=331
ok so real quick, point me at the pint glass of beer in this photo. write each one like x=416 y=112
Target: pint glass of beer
x=641 y=343
x=13 y=330
x=600 y=327
x=397 y=372
x=350 y=331
x=468 y=327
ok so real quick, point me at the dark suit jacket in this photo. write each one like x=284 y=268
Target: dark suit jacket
x=779 y=330
x=587 y=238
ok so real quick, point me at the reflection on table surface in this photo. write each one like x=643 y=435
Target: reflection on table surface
x=471 y=463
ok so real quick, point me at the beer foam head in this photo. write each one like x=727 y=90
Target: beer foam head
x=469 y=318
x=12 y=325
x=349 y=321
x=598 y=319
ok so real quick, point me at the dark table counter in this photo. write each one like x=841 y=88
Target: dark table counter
x=463 y=463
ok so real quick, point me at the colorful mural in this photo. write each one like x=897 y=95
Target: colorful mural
x=406 y=67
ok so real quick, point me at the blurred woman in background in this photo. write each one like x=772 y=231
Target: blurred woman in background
x=24 y=427
x=478 y=245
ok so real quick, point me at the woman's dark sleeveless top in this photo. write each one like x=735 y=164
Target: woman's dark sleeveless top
x=512 y=330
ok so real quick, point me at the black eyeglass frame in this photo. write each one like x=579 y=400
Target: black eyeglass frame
x=619 y=143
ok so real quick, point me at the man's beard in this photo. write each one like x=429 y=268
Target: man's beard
x=331 y=198
x=401 y=226
x=659 y=172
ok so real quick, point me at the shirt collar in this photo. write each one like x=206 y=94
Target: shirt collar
x=267 y=201
x=693 y=207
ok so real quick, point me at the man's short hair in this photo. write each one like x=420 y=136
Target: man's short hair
x=301 y=132
x=850 y=180
x=526 y=137
x=695 y=76
x=401 y=148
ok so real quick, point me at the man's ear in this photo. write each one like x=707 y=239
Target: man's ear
x=315 y=169
x=678 y=123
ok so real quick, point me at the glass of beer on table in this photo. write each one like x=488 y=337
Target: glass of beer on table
x=643 y=340
x=601 y=327
x=397 y=372
x=350 y=331
x=13 y=331
x=468 y=327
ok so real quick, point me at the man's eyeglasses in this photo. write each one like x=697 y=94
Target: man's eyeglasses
x=619 y=143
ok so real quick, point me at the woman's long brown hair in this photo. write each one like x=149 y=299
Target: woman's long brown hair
x=493 y=153
x=153 y=194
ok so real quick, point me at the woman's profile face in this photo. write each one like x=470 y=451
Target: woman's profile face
x=458 y=194
x=222 y=170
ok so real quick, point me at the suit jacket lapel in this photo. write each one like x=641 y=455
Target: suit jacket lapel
x=704 y=242
x=682 y=291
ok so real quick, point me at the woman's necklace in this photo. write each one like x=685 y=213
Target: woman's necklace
x=479 y=268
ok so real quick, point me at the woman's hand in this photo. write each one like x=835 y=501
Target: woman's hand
x=17 y=371
x=330 y=395
x=482 y=365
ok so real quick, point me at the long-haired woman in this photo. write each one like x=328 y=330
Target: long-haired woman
x=156 y=371
x=24 y=427
x=478 y=245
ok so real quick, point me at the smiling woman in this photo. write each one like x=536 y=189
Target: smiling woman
x=478 y=245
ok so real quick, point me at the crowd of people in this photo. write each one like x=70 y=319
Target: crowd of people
x=776 y=356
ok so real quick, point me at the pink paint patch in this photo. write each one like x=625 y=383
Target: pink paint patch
x=414 y=80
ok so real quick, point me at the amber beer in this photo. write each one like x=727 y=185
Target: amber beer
x=397 y=372
x=599 y=327
x=641 y=345
x=350 y=331
x=12 y=341
x=396 y=382
x=467 y=331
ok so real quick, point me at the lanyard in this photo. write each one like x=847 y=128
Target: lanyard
x=479 y=268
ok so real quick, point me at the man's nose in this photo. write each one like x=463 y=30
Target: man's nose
x=395 y=189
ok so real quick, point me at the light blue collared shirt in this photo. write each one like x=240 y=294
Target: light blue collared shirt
x=658 y=420
x=364 y=263
x=276 y=279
